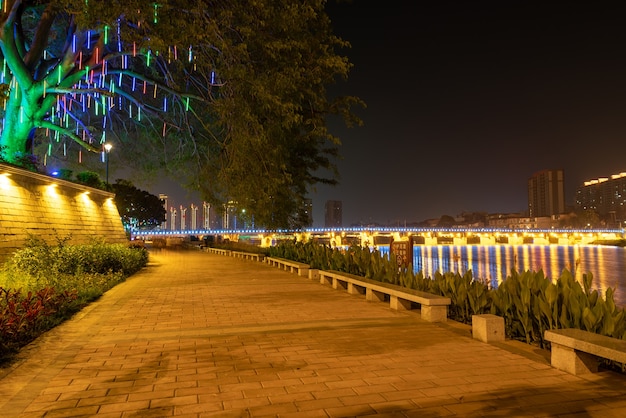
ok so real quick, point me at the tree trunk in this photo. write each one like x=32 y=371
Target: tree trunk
x=18 y=125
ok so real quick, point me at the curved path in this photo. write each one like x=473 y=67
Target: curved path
x=201 y=335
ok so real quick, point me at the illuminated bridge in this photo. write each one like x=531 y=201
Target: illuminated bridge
x=337 y=237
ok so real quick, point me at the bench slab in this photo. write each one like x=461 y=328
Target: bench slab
x=434 y=308
x=576 y=351
x=418 y=296
x=248 y=256
x=301 y=269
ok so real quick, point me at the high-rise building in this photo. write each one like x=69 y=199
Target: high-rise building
x=307 y=205
x=173 y=215
x=194 y=217
x=208 y=216
x=229 y=218
x=183 y=218
x=333 y=214
x=605 y=195
x=546 y=194
x=164 y=199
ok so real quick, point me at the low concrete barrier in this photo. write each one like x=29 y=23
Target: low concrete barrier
x=434 y=308
x=576 y=351
x=293 y=266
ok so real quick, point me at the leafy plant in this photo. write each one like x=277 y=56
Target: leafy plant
x=43 y=284
x=24 y=316
x=91 y=179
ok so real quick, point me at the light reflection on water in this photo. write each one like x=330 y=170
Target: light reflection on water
x=494 y=262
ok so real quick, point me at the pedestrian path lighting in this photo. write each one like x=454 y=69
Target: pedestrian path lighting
x=107 y=149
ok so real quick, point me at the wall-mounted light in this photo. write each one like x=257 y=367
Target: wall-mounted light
x=84 y=196
x=51 y=189
x=107 y=149
x=5 y=181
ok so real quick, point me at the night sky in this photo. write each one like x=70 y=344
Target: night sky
x=467 y=99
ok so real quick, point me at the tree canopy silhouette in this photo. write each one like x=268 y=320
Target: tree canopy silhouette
x=138 y=208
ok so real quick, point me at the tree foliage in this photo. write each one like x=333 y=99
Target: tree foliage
x=230 y=97
x=138 y=208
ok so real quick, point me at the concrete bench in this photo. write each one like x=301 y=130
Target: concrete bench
x=434 y=308
x=293 y=266
x=577 y=351
x=248 y=256
x=219 y=251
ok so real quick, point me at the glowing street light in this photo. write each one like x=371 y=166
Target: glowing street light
x=107 y=148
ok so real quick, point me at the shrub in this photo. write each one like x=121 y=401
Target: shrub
x=40 y=260
x=45 y=284
x=91 y=179
x=240 y=246
x=24 y=316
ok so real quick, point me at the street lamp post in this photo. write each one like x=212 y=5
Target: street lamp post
x=107 y=148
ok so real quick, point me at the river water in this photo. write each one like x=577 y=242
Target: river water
x=493 y=263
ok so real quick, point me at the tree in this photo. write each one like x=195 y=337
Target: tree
x=229 y=96
x=91 y=179
x=586 y=218
x=446 y=221
x=138 y=208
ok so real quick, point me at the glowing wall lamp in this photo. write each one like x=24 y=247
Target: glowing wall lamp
x=51 y=190
x=5 y=181
x=107 y=149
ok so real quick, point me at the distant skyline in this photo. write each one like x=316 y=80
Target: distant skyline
x=467 y=100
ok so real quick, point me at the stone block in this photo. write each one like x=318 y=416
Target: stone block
x=374 y=296
x=572 y=361
x=399 y=304
x=325 y=279
x=314 y=274
x=339 y=284
x=355 y=290
x=438 y=313
x=488 y=328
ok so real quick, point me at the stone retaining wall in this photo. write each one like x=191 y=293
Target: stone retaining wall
x=47 y=207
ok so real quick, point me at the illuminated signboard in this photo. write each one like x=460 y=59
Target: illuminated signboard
x=402 y=251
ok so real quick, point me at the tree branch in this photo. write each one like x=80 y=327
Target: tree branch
x=68 y=133
x=32 y=57
x=10 y=50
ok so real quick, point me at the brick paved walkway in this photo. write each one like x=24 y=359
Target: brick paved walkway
x=202 y=335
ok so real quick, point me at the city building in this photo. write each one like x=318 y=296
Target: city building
x=235 y=217
x=333 y=214
x=164 y=199
x=183 y=218
x=307 y=204
x=173 y=216
x=193 y=218
x=211 y=219
x=517 y=221
x=546 y=194
x=606 y=196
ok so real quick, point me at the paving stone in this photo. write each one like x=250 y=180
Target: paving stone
x=197 y=334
